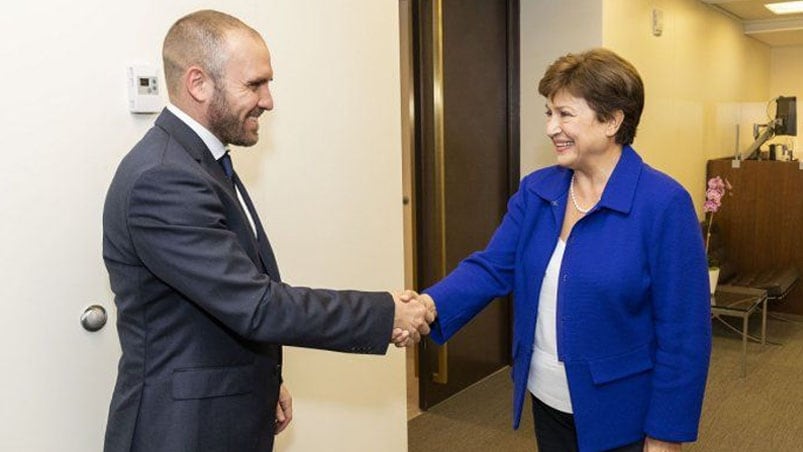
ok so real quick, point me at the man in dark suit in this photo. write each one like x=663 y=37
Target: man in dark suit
x=201 y=309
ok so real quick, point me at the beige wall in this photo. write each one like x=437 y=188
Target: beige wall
x=328 y=182
x=702 y=77
x=786 y=79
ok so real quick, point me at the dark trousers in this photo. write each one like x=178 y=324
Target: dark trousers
x=555 y=431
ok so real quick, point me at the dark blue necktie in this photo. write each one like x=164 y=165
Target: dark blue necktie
x=225 y=162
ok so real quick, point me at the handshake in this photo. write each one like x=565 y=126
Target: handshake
x=414 y=313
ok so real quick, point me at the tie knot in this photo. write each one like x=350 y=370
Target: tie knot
x=225 y=162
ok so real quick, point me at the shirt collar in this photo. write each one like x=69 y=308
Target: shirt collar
x=212 y=142
x=619 y=191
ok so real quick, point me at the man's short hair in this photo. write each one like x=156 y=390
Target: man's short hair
x=199 y=39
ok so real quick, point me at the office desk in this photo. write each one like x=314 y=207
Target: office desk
x=742 y=302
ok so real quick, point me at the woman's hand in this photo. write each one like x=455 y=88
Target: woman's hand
x=656 y=445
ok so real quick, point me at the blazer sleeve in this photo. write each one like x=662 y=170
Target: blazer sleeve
x=481 y=277
x=178 y=228
x=682 y=309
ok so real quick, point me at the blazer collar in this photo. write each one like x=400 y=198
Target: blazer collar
x=210 y=140
x=192 y=144
x=185 y=136
x=619 y=191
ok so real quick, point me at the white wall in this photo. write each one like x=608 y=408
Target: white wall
x=326 y=176
x=549 y=30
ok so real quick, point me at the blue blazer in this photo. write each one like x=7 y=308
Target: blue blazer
x=201 y=309
x=633 y=312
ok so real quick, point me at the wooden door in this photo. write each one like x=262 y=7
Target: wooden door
x=466 y=83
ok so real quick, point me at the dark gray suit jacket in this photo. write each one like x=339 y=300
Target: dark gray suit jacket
x=201 y=310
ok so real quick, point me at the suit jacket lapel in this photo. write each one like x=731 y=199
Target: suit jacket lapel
x=196 y=148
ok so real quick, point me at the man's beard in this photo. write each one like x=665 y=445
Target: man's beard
x=226 y=125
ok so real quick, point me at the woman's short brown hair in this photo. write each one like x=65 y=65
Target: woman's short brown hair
x=605 y=80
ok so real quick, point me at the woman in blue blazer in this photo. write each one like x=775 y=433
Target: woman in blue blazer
x=605 y=259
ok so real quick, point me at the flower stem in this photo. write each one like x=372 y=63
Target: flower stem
x=708 y=232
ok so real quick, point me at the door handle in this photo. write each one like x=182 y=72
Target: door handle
x=94 y=318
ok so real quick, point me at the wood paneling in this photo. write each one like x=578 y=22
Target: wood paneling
x=761 y=222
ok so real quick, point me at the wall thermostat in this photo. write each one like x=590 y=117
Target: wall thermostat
x=657 y=22
x=143 y=89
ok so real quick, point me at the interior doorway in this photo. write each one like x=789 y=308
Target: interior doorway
x=460 y=90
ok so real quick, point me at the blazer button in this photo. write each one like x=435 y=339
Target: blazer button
x=277 y=369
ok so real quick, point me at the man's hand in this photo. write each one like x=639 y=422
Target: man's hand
x=406 y=338
x=284 y=409
x=410 y=295
x=410 y=321
x=656 y=445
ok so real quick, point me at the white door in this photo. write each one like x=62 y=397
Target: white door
x=56 y=377
x=64 y=126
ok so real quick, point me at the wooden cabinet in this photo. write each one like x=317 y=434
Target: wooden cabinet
x=761 y=223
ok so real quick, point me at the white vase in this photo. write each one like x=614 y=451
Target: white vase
x=713 y=278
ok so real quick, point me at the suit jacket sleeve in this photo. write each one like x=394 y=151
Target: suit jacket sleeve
x=179 y=230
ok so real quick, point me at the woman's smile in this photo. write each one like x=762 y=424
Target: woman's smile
x=562 y=145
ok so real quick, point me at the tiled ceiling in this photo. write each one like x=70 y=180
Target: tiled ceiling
x=761 y=23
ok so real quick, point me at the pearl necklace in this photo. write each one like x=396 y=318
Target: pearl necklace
x=574 y=199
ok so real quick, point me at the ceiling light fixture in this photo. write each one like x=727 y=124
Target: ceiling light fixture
x=785 y=7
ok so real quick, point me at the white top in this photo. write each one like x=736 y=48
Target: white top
x=547 y=379
x=216 y=147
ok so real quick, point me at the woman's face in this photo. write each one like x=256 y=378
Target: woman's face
x=576 y=132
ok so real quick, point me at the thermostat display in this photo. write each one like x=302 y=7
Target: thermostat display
x=143 y=89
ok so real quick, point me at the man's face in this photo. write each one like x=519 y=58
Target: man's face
x=242 y=93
